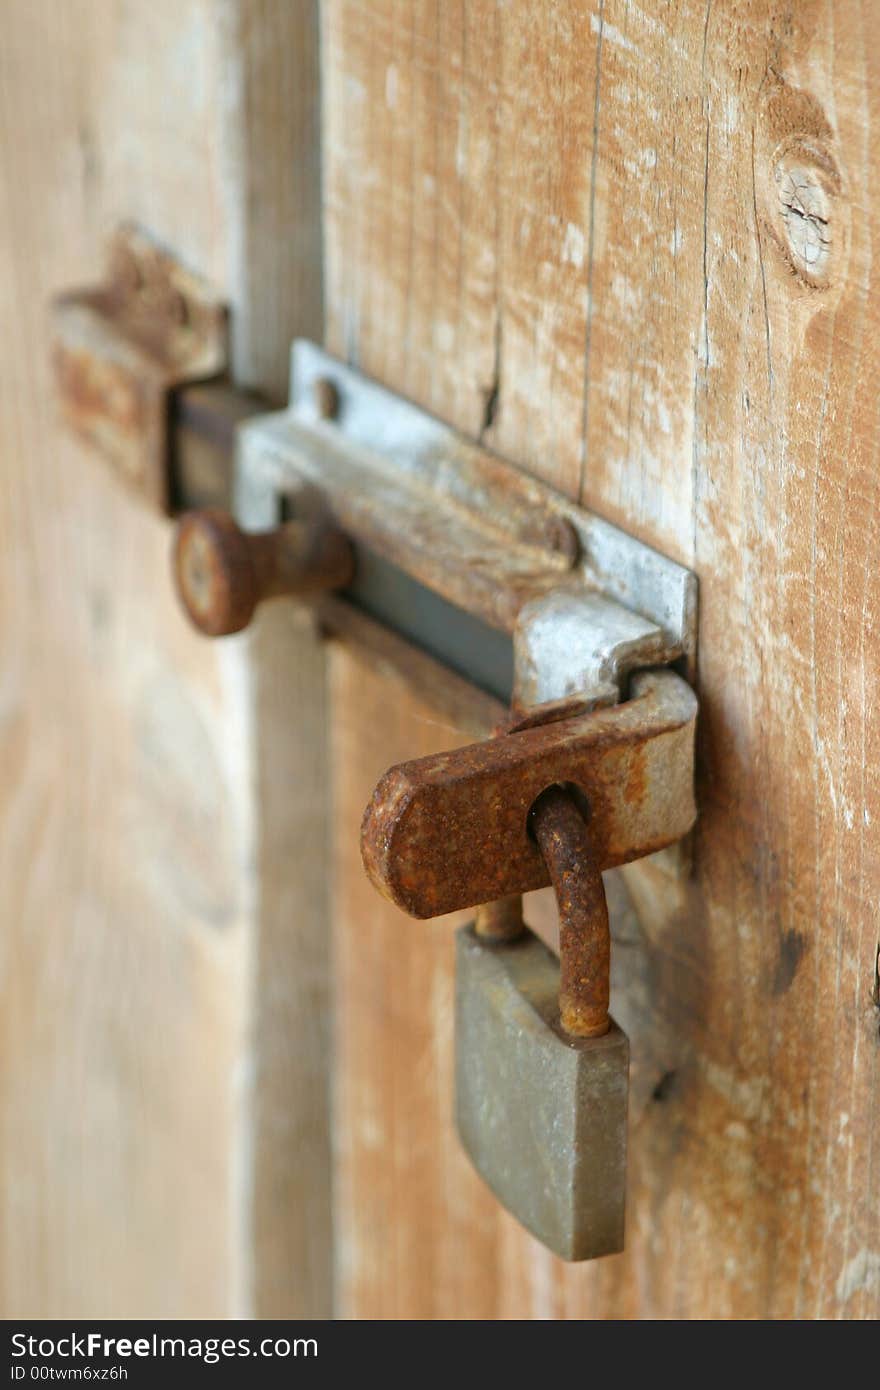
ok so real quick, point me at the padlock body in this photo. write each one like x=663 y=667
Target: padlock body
x=542 y=1115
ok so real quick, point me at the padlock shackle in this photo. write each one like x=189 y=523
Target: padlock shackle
x=565 y=843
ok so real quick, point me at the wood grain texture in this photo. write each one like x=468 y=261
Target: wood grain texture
x=270 y=142
x=271 y=150
x=407 y=1202
x=632 y=247
x=147 y=1066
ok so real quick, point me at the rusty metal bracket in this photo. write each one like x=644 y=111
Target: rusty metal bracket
x=120 y=349
x=451 y=831
x=585 y=603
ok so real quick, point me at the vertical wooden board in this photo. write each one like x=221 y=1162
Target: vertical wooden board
x=122 y=895
x=679 y=232
x=413 y=1221
x=411 y=135
x=272 y=203
x=285 y=1131
x=271 y=170
x=145 y=1126
x=418 y=1233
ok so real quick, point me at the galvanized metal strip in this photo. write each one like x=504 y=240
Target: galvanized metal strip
x=476 y=530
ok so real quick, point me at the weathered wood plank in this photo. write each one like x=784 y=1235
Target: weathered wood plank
x=272 y=203
x=662 y=279
x=163 y=1127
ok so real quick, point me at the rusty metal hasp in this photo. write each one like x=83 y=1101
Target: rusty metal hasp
x=121 y=347
x=451 y=830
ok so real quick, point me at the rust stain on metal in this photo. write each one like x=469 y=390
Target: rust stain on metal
x=122 y=346
x=550 y=712
x=222 y=573
x=108 y=404
x=94 y=389
x=636 y=781
x=584 y=936
x=461 y=476
x=451 y=831
x=458 y=554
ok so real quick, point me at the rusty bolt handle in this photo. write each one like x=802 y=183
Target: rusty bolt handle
x=584 y=935
x=222 y=573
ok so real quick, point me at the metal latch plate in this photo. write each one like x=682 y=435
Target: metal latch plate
x=585 y=602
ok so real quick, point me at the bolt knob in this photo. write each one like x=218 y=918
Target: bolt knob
x=222 y=573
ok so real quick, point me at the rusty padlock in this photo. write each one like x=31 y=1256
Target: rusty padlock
x=541 y=1068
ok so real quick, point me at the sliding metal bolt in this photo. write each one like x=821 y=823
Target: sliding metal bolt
x=222 y=573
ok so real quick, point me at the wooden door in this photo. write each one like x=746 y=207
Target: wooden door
x=164 y=1132
x=630 y=248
